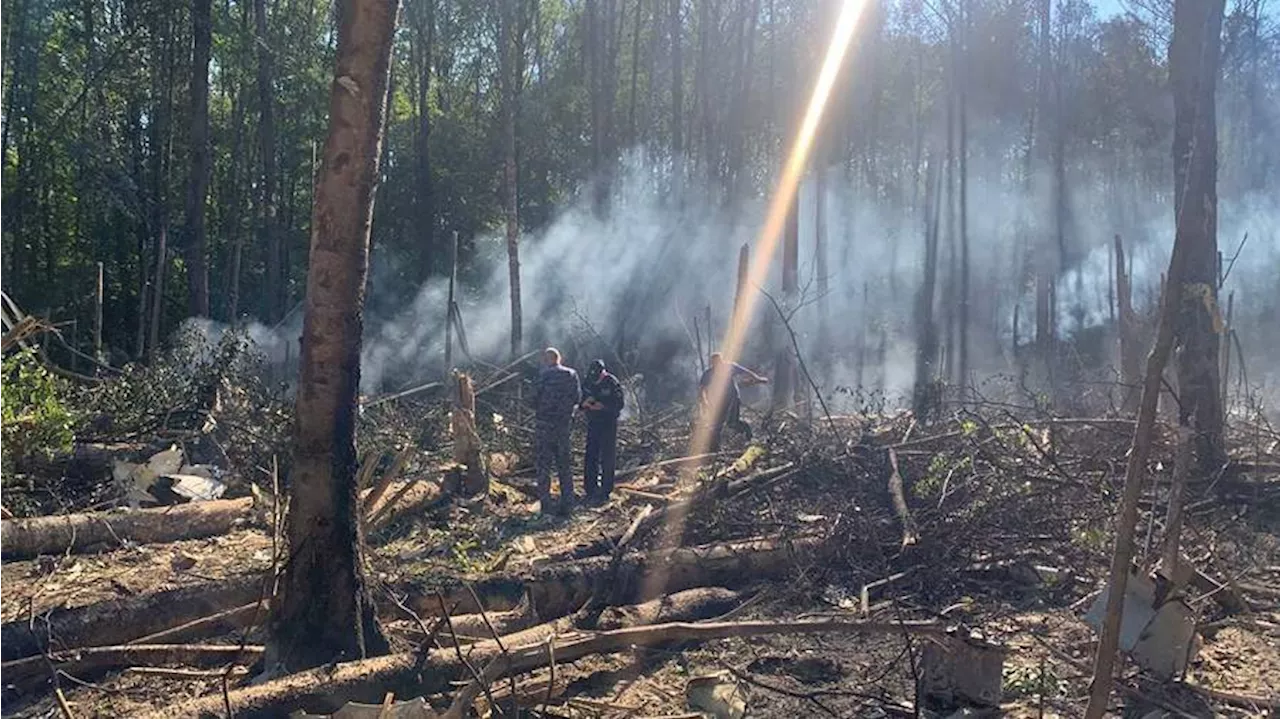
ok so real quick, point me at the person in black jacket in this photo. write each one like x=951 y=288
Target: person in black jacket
x=603 y=402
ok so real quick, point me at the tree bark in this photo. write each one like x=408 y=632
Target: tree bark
x=198 y=183
x=325 y=611
x=27 y=538
x=1193 y=72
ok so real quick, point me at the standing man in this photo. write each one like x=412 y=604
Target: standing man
x=556 y=397
x=603 y=403
x=730 y=408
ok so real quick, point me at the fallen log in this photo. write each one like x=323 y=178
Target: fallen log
x=411 y=674
x=561 y=588
x=28 y=538
x=554 y=591
x=119 y=621
x=79 y=662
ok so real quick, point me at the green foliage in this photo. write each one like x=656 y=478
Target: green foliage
x=1031 y=681
x=34 y=417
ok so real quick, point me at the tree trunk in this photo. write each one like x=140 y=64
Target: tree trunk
x=27 y=538
x=1193 y=64
x=425 y=31
x=962 y=361
x=1042 y=253
x=1126 y=328
x=272 y=306
x=325 y=611
x=926 y=328
x=236 y=206
x=509 y=83
x=198 y=184
x=784 y=384
x=677 y=90
x=1193 y=72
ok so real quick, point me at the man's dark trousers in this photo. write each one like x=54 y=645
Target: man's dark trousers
x=602 y=455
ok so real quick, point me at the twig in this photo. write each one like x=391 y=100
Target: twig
x=63 y=707
x=457 y=647
x=795 y=345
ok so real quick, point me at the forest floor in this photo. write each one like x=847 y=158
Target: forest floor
x=1012 y=516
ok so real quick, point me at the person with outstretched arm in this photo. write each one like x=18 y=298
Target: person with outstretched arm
x=729 y=410
x=602 y=403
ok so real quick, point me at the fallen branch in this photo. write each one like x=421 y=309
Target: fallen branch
x=210 y=626
x=28 y=538
x=410 y=674
x=97 y=659
x=910 y=535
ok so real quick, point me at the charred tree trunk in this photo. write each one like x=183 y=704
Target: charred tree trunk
x=198 y=184
x=784 y=387
x=509 y=82
x=1193 y=73
x=273 y=290
x=325 y=610
x=1125 y=329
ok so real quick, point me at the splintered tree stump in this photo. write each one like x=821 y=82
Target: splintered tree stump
x=27 y=538
x=468 y=451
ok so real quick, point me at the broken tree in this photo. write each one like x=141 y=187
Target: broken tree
x=324 y=610
x=1193 y=60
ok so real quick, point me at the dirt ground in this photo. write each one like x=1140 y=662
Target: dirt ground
x=980 y=530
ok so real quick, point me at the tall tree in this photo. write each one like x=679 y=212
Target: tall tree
x=424 y=35
x=676 y=30
x=1186 y=307
x=325 y=611
x=198 y=183
x=273 y=289
x=509 y=83
x=1193 y=73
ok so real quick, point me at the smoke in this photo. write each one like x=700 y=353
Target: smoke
x=629 y=284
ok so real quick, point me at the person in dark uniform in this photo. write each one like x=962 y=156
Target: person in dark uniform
x=557 y=394
x=729 y=410
x=603 y=402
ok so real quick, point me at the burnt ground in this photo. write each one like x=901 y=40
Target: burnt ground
x=1014 y=518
